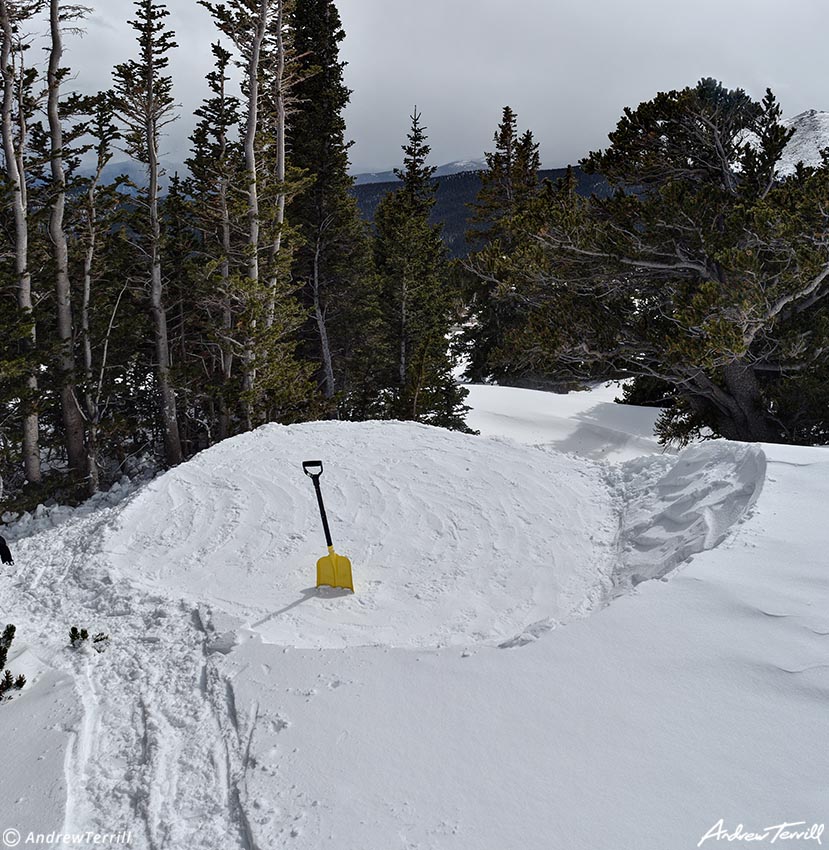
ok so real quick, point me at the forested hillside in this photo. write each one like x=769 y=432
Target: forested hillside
x=454 y=196
x=148 y=315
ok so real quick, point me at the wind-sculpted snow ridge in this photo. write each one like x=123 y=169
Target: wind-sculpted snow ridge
x=673 y=508
x=669 y=508
x=455 y=539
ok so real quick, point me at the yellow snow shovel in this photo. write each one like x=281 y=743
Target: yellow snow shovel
x=333 y=570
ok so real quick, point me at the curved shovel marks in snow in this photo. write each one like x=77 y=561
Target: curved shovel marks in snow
x=333 y=570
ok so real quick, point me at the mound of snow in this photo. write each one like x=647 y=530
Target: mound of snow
x=453 y=538
x=194 y=725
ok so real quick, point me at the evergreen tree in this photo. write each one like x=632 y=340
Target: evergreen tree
x=95 y=220
x=216 y=165
x=58 y=111
x=710 y=278
x=498 y=181
x=508 y=187
x=18 y=106
x=273 y=379
x=333 y=260
x=413 y=269
x=145 y=104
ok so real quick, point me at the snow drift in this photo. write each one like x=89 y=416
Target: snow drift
x=453 y=538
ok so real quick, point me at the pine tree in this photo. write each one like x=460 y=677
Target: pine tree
x=333 y=260
x=215 y=165
x=498 y=181
x=508 y=188
x=17 y=110
x=711 y=278
x=95 y=221
x=73 y=423
x=274 y=381
x=145 y=104
x=413 y=269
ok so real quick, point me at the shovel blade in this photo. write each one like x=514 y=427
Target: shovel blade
x=334 y=571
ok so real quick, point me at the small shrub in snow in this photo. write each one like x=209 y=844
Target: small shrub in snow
x=100 y=642
x=8 y=681
x=5 y=642
x=77 y=637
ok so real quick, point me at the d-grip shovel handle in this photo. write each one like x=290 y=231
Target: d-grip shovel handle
x=315 y=477
x=308 y=465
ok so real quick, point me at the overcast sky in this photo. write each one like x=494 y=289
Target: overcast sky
x=567 y=67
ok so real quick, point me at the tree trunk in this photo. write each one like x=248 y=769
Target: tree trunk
x=227 y=312
x=738 y=408
x=329 y=384
x=403 y=365
x=169 y=415
x=254 y=225
x=167 y=396
x=280 y=163
x=72 y=419
x=90 y=404
x=17 y=181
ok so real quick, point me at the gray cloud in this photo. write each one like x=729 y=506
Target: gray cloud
x=567 y=67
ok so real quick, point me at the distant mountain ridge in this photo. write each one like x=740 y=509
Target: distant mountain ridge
x=455 y=193
x=450 y=168
x=457 y=187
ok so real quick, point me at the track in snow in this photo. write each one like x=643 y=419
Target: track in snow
x=455 y=540
x=147 y=755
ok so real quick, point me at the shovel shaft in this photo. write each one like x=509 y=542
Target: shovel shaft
x=316 y=480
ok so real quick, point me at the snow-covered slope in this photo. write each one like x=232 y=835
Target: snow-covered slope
x=506 y=676
x=587 y=424
x=810 y=138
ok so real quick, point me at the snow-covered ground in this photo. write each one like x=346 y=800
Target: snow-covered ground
x=562 y=637
x=811 y=136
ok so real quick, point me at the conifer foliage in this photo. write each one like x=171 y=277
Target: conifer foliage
x=333 y=258
x=416 y=300
x=146 y=317
x=706 y=272
x=8 y=681
x=495 y=306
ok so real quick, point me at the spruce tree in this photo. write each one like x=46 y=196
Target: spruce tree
x=96 y=218
x=413 y=269
x=145 y=104
x=508 y=187
x=17 y=110
x=58 y=110
x=333 y=260
x=267 y=315
x=215 y=164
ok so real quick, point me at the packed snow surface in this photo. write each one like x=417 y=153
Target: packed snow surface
x=582 y=643
x=455 y=538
